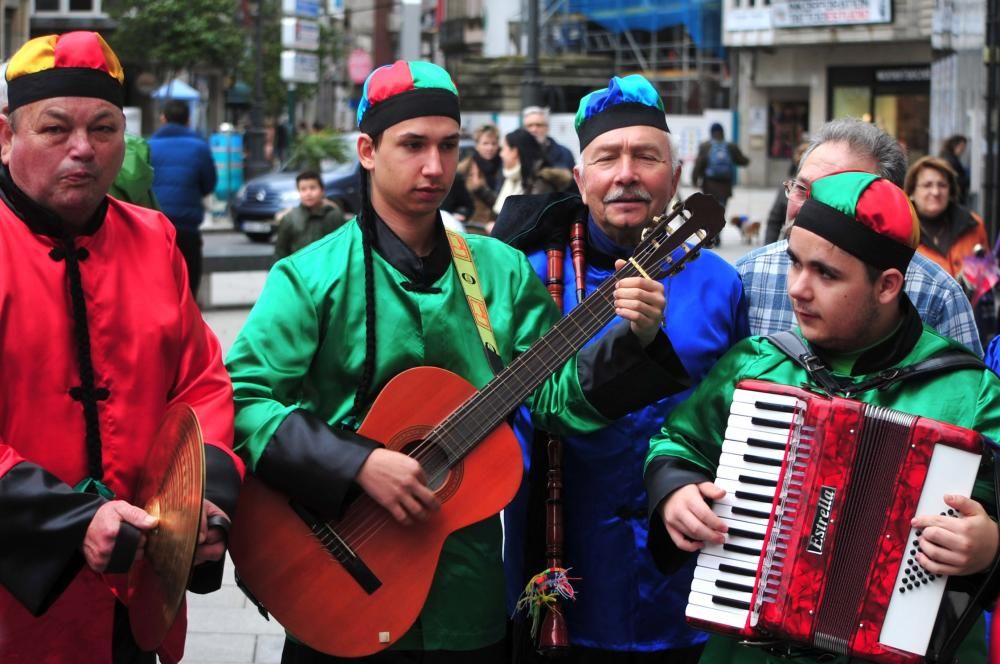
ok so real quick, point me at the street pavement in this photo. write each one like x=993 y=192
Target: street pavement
x=224 y=627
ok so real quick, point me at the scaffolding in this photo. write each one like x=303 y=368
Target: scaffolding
x=676 y=44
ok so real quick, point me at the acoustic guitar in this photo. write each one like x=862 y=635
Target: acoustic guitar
x=354 y=586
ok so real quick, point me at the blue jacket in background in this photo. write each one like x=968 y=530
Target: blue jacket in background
x=183 y=174
x=625 y=603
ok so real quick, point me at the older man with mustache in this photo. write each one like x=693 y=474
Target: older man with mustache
x=626 y=610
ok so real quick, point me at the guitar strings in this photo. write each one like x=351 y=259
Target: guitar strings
x=371 y=517
x=362 y=523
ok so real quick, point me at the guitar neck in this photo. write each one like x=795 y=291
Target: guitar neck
x=461 y=431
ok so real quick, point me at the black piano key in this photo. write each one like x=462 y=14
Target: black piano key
x=756 y=514
x=777 y=407
x=729 y=585
x=759 y=481
x=766 y=444
x=764 y=461
x=756 y=497
x=734 y=603
x=773 y=424
x=733 y=569
x=746 y=533
x=736 y=548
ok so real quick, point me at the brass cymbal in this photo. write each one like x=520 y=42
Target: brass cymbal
x=172 y=487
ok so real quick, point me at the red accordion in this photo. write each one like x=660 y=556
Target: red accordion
x=819 y=496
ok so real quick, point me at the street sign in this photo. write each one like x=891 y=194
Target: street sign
x=299 y=67
x=359 y=65
x=303 y=8
x=300 y=33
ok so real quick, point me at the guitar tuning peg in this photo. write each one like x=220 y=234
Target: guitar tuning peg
x=701 y=233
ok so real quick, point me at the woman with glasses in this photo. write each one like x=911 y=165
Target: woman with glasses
x=949 y=232
x=954 y=237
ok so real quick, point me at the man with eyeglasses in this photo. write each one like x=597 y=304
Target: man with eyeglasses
x=850 y=144
x=535 y=120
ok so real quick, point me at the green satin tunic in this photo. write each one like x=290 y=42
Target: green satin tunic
x=303 y=346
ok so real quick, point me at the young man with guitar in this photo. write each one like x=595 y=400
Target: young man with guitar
x=626 y=610
x=388 y=292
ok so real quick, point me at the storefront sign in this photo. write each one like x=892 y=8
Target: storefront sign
x=903 y=75
x=741 y=20
x=300 y=33
x=802 y=13
x=299 y=67
x=303 y=8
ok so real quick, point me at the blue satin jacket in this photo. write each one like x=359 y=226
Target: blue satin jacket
x=624 y=603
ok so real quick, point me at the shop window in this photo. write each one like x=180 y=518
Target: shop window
x=852 y=101
x=787 y=125
x=68 y=6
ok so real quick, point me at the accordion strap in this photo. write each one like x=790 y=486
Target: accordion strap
x=793 y=346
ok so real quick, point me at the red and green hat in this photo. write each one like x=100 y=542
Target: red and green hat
x=74 y=64
x=405 y=90
x=865 y=215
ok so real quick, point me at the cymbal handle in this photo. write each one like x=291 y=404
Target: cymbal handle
x=123 y=551
x=220 y=521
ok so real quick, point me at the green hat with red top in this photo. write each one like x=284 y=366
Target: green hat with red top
x=865 y=215
x=405 y=90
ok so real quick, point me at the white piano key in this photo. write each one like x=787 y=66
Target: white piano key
x=753 y=396
x=709 y=561
x=708 y=601
x=737 y=461
x=745 y=422
x=709 y=588
x=731 y=487
x=742 y=433
x=741 y=449
x=718 y=550
x=756 y=529
x=741 y=474
x=750 y=410
x=726 y=512
x=748 y=583
x=718 y=615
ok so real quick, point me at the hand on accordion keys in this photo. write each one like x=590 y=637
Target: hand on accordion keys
x=688 y=517
x=957 y=546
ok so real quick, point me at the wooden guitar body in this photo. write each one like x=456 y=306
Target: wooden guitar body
x=291 y=571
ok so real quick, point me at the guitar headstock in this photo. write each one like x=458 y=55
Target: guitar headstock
x=675 y=238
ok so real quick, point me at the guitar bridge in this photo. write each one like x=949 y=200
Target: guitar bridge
x=339 y=549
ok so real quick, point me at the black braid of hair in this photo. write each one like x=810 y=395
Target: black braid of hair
x=88 y=392
x=366 y=221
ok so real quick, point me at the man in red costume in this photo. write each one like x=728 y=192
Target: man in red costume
x=98 y=337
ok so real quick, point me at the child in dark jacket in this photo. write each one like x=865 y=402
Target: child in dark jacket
x=314 y=217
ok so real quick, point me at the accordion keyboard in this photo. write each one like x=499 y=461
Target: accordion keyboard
x=757 y=436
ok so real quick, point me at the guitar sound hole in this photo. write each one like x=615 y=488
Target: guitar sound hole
x=433 y=460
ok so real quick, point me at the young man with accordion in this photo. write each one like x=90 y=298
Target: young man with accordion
x=837 y=521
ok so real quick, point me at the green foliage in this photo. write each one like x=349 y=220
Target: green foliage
x=311 y=149
x=172 y=35
x=178 y=34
